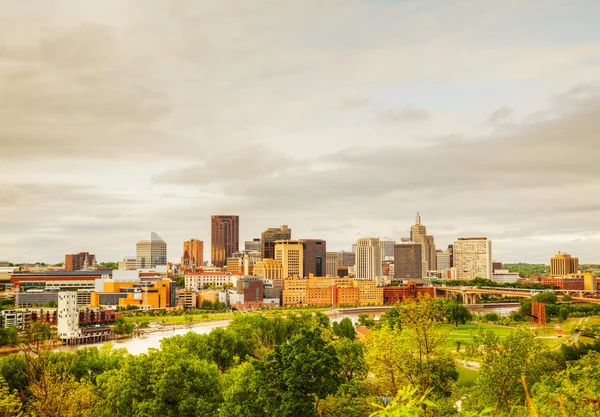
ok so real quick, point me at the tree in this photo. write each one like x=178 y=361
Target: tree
x=352 y=361
x=10 y=403
x=122 y=326
x=457 y=313
x=225 y=347
x=567 y=298
x=110 y=265
x=9 y=336
x=493 y=317
x=206 y=305
x=180 y=282
x=563 y=313
x=573 y=392
x=59 y=395
x=296 y=375
x=51 y=304
x=504 y=362
x=345 y=328
x=170 y=383
x=240 y=393
x=366 y=321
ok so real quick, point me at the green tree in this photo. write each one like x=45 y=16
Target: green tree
x=241 y=393
x=352 y=361
x=180 y=282
x=10 y=402
x=170 y=383
x=457 y=313
x=366 y=321
x=51 y=304
x=110 y=265
x=345 y=328
x=505 y=361
x=206 y=305
x=9 y=336
x=122 y=326
x=563 y=313
x=225 y=347
x=295 y=376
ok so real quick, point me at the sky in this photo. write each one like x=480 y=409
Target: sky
x=339 y=118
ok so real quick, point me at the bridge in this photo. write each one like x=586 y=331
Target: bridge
x=469 y=294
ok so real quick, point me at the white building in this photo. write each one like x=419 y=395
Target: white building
x=503 y=275
x=196 y=282
x=473 y=258
x=443 y=260
x=68 y=316
x=387 y=248
x=150 y=253
x=368 y=258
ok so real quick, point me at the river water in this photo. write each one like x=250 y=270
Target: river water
x=141 y=344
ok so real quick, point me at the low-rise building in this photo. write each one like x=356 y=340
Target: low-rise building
x=565 y=283
x=393 y=295
x=504 y=275
x=205 y=280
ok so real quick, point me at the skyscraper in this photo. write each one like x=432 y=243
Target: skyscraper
x=346 y=258
x=290 y=253
x=387 y=248
x=473 y=258
x=314 y=257
x=407 y=261
x=368 y=258
x=268 y=238
x=418 y=234
x=150 y=253
x=195 y=250
x=443 y=260
x=563 y=264
x=224 y=238
x=331 y=264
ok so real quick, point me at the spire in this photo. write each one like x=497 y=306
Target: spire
x=418 y=219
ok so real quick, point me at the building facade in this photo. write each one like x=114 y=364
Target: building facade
x=346 y=258
x=268 y=269
x=270 y=236
x=290 y=253
x=224 y=238
x=407 y=261
x=418 y=234
x=195 y=251
x=79 y=261
x=473 y=258
x=314 y=255
x=331 y=262
x=151 y=253
x=563 y=264
x=387 y=248
x=443 y=260
x=368 y=259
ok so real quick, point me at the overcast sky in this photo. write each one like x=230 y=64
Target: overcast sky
x=340 y=118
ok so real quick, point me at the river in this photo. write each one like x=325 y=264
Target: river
x=141 y=344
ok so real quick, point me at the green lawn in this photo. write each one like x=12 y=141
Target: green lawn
x=465 y=332
x=466 y=376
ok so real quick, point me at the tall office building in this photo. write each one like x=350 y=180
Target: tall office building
x=195 y=251
x=150 y=253
x=443 y=260
x=563 y=264
x=268 y=238
x=224 y=238
x=315 y=257
x=331 y=264
x=387 y=248
x=368 y=259
x=290 y=253
x=346 y=258
x=473 y=258
x=79 y=261
x=407 y=261
x=418 y=234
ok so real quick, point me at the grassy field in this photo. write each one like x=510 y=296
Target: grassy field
x=465 y=332
x=466 y=376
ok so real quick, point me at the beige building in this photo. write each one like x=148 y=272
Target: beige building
x=268 y=269
x=368 y=259
x=563 y=264
x=331 y=264
x=129 y=263
x=150 y=253
x=195 y=250
x=369 y=293
x=473 y=258
x=418 y=234
x=290 y=253
x=294 y=291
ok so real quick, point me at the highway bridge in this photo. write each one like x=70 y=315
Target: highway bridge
x=469 y=294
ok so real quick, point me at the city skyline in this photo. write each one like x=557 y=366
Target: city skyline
x=126 y=117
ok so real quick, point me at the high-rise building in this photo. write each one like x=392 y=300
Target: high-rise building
x=563 y=264
x=268 y=238
x=252 y=245
x=314 y=257
x=332 y=264
x=195 y=250
x=346 y=258
x=290 y=253
x=224 y=238
x=79 y=261
x=150 y=253
x=418 y=234
x=387 y=248
x=368 y=258
x=473 y=258
x=443 y=260
x=407 y=261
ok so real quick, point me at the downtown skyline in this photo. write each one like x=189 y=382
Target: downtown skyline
x=339 y=119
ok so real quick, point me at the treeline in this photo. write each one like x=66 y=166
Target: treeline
x=484 y=282
x=303 y=365
x=526 y=270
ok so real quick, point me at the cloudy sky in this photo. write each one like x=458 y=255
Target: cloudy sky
x=340 y=118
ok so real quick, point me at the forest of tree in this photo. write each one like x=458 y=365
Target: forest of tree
x=303 y=365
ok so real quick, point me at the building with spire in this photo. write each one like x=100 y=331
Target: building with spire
x=79 y=261
x=150 y=253
x=418 y=235
x=563 y=264
x=193 y=255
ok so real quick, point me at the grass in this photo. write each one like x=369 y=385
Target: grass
x=466 y=376
x=464 y=333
